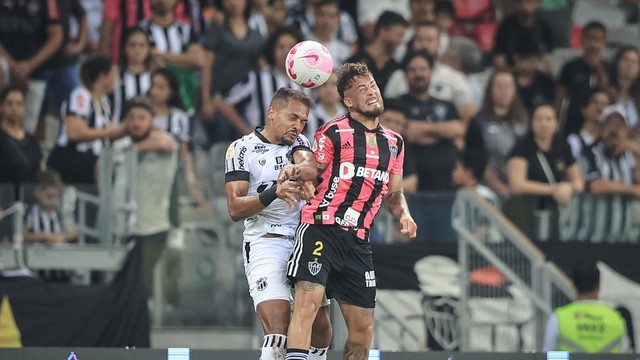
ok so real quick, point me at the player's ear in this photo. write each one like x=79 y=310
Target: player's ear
x=347 y=102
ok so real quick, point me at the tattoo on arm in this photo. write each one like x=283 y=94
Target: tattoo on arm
x=396 y=203
x=354 y=351
x=307 y=285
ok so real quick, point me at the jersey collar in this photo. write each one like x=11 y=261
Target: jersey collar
x=358 y=125
x=258 y=133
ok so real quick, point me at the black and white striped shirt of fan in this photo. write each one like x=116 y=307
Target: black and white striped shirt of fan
x=128 y=86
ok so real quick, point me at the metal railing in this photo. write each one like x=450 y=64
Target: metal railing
x=500 y=265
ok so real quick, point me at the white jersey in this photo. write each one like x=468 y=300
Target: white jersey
x=254 y=159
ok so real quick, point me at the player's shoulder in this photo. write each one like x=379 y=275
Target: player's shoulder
x=390 y=134
x=336 y=123
x=301 y=141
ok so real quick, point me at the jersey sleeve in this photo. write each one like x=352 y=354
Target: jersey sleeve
x=398 y=164
x=236 y=165
x=301 y=143
x=79 y=104
x=322 y=147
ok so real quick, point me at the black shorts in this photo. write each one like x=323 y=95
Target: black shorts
x=337 y=259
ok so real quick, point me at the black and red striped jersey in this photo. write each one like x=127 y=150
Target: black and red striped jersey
x=359 y=162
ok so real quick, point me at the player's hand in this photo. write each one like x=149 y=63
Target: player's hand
x=409 y=227
x=306 y=190
x=289 y=172
x=288 y=192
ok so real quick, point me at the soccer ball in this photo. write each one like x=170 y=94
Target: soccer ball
x=309 y=64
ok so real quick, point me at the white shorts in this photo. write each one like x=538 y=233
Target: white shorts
x=265 y=265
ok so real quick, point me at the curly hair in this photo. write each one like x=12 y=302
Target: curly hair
x=346 y=73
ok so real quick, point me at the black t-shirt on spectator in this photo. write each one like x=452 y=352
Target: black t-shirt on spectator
x=23 y=27
x=68 y=9
x=559 y=159
x=380 y=75
x=19 y=159
x=579 y=80
x=511 y=32
x=433 y=163
x=542 y=91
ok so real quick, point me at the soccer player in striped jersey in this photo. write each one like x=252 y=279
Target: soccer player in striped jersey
x=258 y=172
x=360 y=165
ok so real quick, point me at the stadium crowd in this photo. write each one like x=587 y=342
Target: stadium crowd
x=456 y=79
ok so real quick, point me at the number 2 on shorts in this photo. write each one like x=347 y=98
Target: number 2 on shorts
x=318 y=249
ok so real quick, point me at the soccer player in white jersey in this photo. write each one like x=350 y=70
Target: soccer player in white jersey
x=267 y=178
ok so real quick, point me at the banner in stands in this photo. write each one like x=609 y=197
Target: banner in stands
x=35 y=313
x=422 y=278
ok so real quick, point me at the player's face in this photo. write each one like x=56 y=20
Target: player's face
x=418 y=74
x=138 y=123
x=364 y=97
x=288 y=121
x=13 y=108
x=137 y=49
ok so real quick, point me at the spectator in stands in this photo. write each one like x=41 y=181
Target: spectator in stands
x=369 y=11
x=270 y=16
x=523 y=25
x=328 y=106
x=44 y=222
x=119 y=16
x=170 y=116
x=502 y=121
x=542 y=165
x=88 y=124
x=20 y=154
x=422 y=11
x=570 y=327
x=155 y=175
x=446 y=82
x=30 y=35
x=468 y=173
x=378 y=55
x=535 y=88
x=327 y=17
x=265 y=81
x=579 y=76
x=464 y=55
x=433 y=130
x=236 y=49
x=174 y=45
x=612 y=166
x=393 y=117
x=581 y=142
x=134 y=77
x=61 y=71
x=625 y=85
x=302 y=16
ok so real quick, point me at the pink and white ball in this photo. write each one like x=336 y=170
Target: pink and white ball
x=309 y=64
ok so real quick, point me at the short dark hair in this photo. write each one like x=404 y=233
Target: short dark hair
x=139 y=102
x=346 y=72
x=414 y=54
x=93 y=67
x=49 y=178
x=284 y=95
x=585 y=275
x=388 y=19
x=592 y=92
x=445 y=7
x=594 y=25
x=474 y=160
x=322 y=3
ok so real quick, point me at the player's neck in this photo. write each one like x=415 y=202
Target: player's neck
x=267 y=134
x=369 y=122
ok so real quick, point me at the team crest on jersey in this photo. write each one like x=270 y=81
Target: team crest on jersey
x=371 y=140
x=441 y=111
x=230 y=152
x=262 y=162
x=393 y=150
x=261 y=284
x=314 y=267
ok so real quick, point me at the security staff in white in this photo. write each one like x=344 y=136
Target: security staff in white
x=267 y=177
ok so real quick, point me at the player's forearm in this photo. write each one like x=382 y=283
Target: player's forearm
x=396 y=204
x=244 y=207
x=308 y=172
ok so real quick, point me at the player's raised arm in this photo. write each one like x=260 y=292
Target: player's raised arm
x=396 y=203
